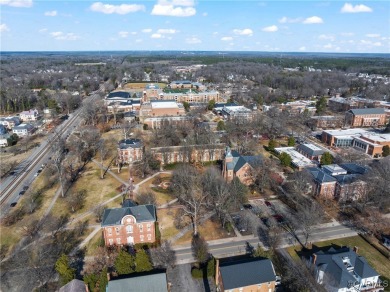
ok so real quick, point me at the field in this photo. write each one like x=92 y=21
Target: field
x=380 y=263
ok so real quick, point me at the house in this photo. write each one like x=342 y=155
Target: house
x=366 y=117
x=74 y=286
x=9 y=122
x=236 y=165
x=311 y=151
x=130 y=224
x=130 y=150
x=246 y=275
x=325 y=122
x=4 y=140
x=150 y=282
x=23 y=130
x=343 y=270
x=30 y=115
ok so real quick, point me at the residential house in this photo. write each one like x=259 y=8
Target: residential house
x=23 y=130
x=130 y=224
x=236 y=165
x=130 y=150
x=257 y=274
x=367 y=117
x=311 y=151
x=343 y=270
x=29 y=116
x=4 y=140
x=10 y=122
x=150 y=282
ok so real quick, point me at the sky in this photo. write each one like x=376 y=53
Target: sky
x=197 y=25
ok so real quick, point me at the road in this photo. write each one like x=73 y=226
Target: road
x=24 y=172
x=238 y=245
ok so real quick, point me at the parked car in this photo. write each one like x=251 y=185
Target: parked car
x=13 y=204
x=25 y=188
x=268 y=204
x=279 y=218
x=22 y=193
x=248 y=206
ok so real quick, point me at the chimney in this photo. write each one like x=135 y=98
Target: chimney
x=356 y=249
x=314 y=258
x=108 y=277
x=216 y=272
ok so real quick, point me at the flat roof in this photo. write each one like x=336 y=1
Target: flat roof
x=346 y=132
x=164 y=104
x=298 y=159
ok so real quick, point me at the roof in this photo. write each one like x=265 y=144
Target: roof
x=353 y=168
x=334 y=169
x=367 y=111
x=164 y=104
x=23 y=127
x=130 y=143
x=244 y=273
x=150 y=283
x=320 y=176
x=311 y=149
x=341 y=264
x=142 y=213
x=239 y=161
x=73 y=286
x=121 y=94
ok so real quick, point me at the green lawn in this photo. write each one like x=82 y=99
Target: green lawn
x=379 y=262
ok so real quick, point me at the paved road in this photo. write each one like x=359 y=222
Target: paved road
x=238 y=245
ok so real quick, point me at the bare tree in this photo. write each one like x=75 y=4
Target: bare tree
x=163 y=256
x=145 y=198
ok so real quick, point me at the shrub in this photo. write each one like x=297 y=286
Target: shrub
x=197 y=273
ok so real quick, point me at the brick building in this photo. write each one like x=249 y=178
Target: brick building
x=160 y=122
x=326 y=122
x=130 y=150
x=160 y=108
x=311 y=151
x=129 y=225
x=245 y=275
x=367 y=117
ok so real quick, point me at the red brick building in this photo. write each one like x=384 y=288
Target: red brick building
x=129 y=225
x=366 y=117
x=130 y=150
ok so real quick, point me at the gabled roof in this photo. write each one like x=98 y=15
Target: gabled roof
x=74 y=286
x=130 y=143
x=239 y=161
x=142 y=213
x=134 y=283
x=367 y=111
x=320 y=176
x=354 y=168
x=246 y=272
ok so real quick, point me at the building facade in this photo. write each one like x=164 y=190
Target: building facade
x=129 y=225
x=29 y=116
x=23 y=130
x=367 y=117
x=130 y=150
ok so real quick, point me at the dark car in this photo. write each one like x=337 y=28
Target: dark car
x=13 y=204
x=279 y=218
x=248 y=206
x=22 y=193
x=268 y=204
x=25 y=188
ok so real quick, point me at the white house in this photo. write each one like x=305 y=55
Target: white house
x=3 y=140
x=30 y=115
x=23 y=130
x=9 y=122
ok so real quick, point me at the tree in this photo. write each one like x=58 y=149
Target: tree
x=321 y=105
x=221 y=126
x=186 y=106
x=386 y=150
x=163 y=256
x=271 y=145
x=76 y=200
x=124 y=263
x=63 y=268
x=326 y=158
x=200 y=249
x=211 y=105
x=285 y=159
x=146 y=198
x=142 y=261
x=291 y=141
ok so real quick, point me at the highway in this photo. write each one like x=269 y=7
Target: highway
x=24 y=172
x=238 y=245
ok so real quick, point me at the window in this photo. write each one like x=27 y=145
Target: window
x=141 y=228
x=118 y=241
x=149 y=237
x=148 y=226
x=111 y=241
x=117 y=230
x=129 y=229
x=109 y=230
x=141 y=237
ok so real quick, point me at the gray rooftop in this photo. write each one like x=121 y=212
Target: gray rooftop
x=367 y=111
x=142 y=213
x=239 y=161
x=74 y=286
x=149 y=283
x=244 y=273
x=130 y=143
x=320 y=176
x=120 y=94
x=311 y=149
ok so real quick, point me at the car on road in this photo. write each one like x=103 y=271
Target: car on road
x=279 y=218
x=21 y=193
x=36 y=174
x=268 y=204
x=12 y=173
x=25 y=188
x=13 y=204
x=247 y=206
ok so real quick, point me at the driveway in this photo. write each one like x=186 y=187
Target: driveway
x=181 y=280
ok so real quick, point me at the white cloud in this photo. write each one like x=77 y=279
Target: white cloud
x=17 y=3
x=133 y=33
x=271 y=28
x=349 y=8
x=178 y=8
x=204 y=14
x=313 y=20
x=371 y=43
x=43 y=30
x=156 y=36
x=119 y=9
x=326 y=37
x=347 y=34
x=245 y=31
x=373 y=35
x=285 y=19
x=193 y=40
x=3 y=27
x=147 y=30
x=51 y=13
x=328 y=46
x=226 y=39
x=123 y=34
x=59 y=35
x=166 y=31
x=302 y=48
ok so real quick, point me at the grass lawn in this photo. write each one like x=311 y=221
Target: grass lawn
x=165 y=223
x=93 y=244
x=163 y=196
x=380 y=263
x=210 y=230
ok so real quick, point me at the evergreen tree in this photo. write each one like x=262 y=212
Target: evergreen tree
x=326 y=159
x=271 y=145
x=124 y=263
x=142 y=261
x=385 y=151
x=186 y=106
x=63 y=268
x=285 y=159
x=211 y=105
x=321 y=105
x=291 y=141
x=221 y=126
x=200 y=249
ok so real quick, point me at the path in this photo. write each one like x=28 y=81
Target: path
x=87 y=239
